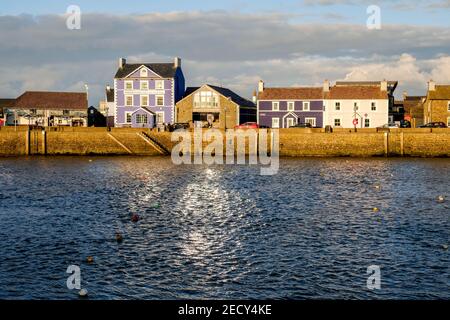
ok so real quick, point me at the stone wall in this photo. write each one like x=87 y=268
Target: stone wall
x=293 y=142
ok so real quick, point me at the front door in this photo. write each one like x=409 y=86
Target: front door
x=289 y=122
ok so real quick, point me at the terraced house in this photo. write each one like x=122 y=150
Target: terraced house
x=286 y=107
x=146 y=93
x=360 y=104
x=437 y=103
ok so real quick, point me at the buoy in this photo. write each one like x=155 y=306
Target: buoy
x=375 y=209
x=377 y=186
x=90 y=259
x=441 y=199
x=135 y=217
x=445 y=247
x=83 y=293
x=119 y=237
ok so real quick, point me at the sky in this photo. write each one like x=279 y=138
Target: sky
x=230 y=43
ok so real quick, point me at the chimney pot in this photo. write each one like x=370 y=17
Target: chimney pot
x=384 y=85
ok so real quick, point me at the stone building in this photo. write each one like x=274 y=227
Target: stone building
x=212 y=106
x=437 y=103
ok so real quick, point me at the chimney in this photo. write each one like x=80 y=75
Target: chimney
x=431 y=85
x=260 y=86
x=384 y=85
x=122 y=62
x=254 y=96
x=177 y=62
x=326 y=86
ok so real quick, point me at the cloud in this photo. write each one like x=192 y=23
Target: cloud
x=230 y=49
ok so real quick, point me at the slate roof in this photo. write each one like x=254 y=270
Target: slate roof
x=165 y=70
x=52 y=100
x=226 y=93
x=353 y=92
x=442 y=92
x=294 y=93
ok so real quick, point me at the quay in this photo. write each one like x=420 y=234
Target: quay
x=293 y=142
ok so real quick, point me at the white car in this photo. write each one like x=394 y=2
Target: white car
x=390 y=126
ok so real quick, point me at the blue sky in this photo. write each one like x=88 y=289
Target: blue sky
x=232 y=43
x=417 y=12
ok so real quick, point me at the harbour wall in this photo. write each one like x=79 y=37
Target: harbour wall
x=293 y=142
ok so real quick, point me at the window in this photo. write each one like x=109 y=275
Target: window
x=290 y=106
x=275 y=106
x=289 y=122
x=144 y=85
x=366 y=123
x=275 y=122
x=144 y=72
x=128 y=85
x=129 y=100
x=337 y=106
x=305 y=106
x=159 y=117
x=141 y=118
x=355 y=106
x=159 y=84
x=448 y=107
x=160 y=101
x=128 y=117
x=448 y=122
x=312 y=121
x=33 y=111
x=206 y=99
x=144 y=101
x=374 y=106
x=337 y=122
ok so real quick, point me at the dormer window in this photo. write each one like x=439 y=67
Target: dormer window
x=144 y=72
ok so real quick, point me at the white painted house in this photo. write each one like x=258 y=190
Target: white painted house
x=358 y=104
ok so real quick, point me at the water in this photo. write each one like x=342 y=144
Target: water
x=224 y=231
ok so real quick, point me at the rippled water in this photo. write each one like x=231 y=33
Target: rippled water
x=224 y=231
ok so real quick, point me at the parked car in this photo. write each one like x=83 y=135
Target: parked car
x=247 y=125
x=177 y=126
x=389 y=126
x=434 y=125
x=302 y=125
x=405 y=124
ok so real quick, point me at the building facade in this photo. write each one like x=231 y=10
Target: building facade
x=286 y=107
x=145 y=94
x=48 y=109
x=216 y=107
x=107 y=107
x=437 y=103
x=358 y=104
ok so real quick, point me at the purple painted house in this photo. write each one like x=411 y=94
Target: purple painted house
x=286 y=107
x=146 y=93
